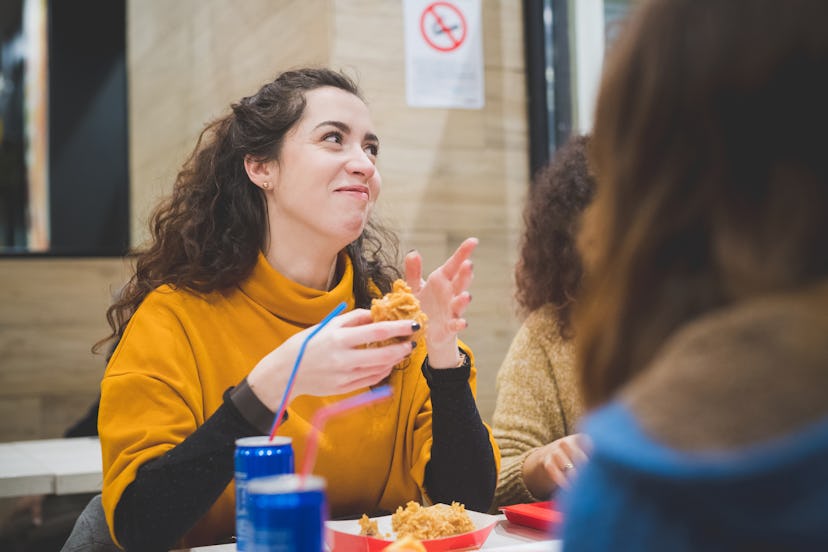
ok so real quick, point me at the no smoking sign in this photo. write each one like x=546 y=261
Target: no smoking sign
x=443 y=26
x=444 y=53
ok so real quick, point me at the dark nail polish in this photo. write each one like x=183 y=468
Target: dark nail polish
x=415 y=326
x=413 y=344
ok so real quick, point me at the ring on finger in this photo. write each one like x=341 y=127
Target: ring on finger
x=568 y=466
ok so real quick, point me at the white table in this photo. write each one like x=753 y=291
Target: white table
x=50 y=466
x=505 y=536
x=510 y=536
x=73 y=465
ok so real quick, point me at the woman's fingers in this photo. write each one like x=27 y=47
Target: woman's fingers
x=369 y=366
x=457 y=269
x=364 y=378
x=371 y=358
x=459 y=304
x=372 y=378
x=414 y=271
x=565 y=466
x=336 y=360
x=452 y=265
x=562 y=459
x=374 y=332
x=573 y=451
x=463 y=279
x=556 y=474
x=584 y=443
x=356 y=317
x=332 y=368
x=457 y=325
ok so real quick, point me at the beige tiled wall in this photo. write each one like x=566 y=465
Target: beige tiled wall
x=51 y=313
x=447 y=174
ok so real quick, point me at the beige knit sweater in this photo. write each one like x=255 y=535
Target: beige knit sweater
x=537 y=400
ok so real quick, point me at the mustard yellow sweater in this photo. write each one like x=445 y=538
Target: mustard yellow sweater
x=181 y=351
x=537 y=400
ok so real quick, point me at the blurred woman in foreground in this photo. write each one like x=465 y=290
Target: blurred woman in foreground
x=703 y=344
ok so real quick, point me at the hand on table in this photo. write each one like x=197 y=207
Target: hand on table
x=555 y=465
x=444 y=298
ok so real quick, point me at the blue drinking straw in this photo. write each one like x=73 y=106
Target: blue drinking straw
x=281 y=411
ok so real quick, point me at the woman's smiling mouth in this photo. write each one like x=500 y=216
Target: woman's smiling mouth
x=360 y=191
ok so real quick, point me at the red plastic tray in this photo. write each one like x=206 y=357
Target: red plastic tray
x=343 y=536
x=537 y=515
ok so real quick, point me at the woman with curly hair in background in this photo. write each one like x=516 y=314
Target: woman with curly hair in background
x=538 y=402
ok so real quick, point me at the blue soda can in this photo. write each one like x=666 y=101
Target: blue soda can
x=257 y=457
x=288 y=514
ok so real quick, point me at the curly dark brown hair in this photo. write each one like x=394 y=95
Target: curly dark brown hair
x=207 y=235
x=550 y=268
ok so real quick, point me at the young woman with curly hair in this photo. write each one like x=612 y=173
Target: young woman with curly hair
x=538 y=402
x=268 y=229
x=703 y=337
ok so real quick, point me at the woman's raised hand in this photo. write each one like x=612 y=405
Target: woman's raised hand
x=444 y=298
x=335 y=360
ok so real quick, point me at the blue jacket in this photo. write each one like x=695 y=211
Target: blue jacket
x=636 y=494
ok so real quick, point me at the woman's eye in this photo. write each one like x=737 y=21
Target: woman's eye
x=372 y=149
x=334 y=137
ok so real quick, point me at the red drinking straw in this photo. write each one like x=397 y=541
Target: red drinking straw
x=289 y=389
x=323 y=414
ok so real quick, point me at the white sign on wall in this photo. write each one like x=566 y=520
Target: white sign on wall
x=444 y=53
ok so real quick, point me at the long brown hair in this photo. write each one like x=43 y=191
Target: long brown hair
x=207 y=235
x=550 y=268
x=710 y=146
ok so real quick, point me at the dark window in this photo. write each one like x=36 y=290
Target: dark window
x=550 y=68
x=86 y=209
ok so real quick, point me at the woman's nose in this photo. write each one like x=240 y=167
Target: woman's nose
x=360 y=163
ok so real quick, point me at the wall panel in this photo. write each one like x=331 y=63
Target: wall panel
x=447 y=174
x=450 y=173
x=52 y=313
